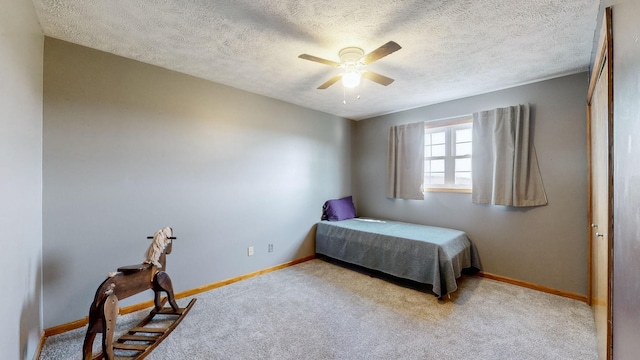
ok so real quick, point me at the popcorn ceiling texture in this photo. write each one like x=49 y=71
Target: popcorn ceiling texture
x=450 y=48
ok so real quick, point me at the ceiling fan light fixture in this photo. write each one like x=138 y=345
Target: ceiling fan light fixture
x=350 y=59
x=351 y=78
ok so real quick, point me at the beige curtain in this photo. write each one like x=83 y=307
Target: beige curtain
x=505 y=165
x=406 y=162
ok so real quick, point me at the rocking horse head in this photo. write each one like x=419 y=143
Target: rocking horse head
x=160 y=246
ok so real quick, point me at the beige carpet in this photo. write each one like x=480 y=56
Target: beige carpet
x=318 y=310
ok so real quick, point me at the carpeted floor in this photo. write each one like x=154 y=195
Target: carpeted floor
x=318 y=310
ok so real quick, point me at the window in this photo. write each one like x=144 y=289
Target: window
x=447 y=156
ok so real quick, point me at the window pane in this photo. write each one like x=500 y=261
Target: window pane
x=463 y=149
x=427 y=151
x=463 y=165
x=463 y=135
x=427 y=139
x=438 y=150
x=463 y=178
x=427 y=166
x=434 y=179
x=437 y=165
x=438 y=137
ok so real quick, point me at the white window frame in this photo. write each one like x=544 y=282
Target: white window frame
x=449 y=127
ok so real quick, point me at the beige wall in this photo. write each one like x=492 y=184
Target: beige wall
x=20 y=179
x=544 y=245
x=131 y=147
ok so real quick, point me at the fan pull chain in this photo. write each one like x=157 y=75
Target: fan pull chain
x=344 y=94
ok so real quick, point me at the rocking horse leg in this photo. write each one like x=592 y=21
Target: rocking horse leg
x=94 y=327
x=110 y=314
x=87 y=347
x=162 y=282
x=157 y=299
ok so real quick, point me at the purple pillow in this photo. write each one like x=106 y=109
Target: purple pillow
x=338 y=209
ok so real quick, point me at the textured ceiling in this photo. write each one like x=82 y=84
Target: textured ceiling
x=450 y=48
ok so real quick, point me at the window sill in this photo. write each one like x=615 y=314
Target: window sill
x=451 y=190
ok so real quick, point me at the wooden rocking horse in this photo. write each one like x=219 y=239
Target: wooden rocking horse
x=128 y=281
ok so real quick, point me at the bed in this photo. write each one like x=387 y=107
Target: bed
x=426 y=254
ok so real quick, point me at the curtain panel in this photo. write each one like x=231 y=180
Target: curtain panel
x=405 y=164
x=504 y=162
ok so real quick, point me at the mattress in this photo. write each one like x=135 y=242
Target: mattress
x=426 y=254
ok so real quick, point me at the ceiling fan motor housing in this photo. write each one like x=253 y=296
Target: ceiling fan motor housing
x=350 y=55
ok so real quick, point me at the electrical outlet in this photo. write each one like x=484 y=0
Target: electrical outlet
x=270 y=247
x=250 y=251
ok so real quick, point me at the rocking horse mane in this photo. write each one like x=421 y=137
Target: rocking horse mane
x=161 y=239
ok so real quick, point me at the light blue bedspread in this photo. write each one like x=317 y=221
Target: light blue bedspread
x=427 y=254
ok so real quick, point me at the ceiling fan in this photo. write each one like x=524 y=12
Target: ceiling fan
x=352 y=61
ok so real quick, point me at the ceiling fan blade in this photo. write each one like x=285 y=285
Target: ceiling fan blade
x=380 y=52
x=320 y=60
x=375 y=77
x=330 y=82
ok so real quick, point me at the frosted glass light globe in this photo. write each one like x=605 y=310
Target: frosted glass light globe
x=351 y=79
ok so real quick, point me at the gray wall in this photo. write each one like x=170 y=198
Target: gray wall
x=21 y=44
x=544 y=245
x=626 y=192
x=130 y=147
